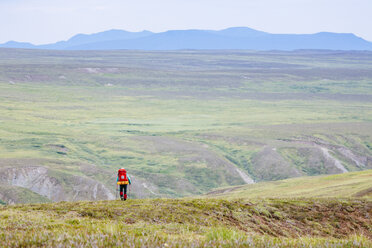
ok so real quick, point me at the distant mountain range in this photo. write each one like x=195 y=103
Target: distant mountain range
x=231 y=38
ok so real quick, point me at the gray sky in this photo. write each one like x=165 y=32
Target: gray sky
x=46 y=21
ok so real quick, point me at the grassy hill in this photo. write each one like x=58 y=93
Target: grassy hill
x=182 y=123
x=352 y=184
x=318 y=211
x=14 y=194
x=189 y=223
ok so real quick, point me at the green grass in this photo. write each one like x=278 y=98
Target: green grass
x=206 y=110
x=181 y=122
x=189 y=223
x=352 y=184
x=18 y=194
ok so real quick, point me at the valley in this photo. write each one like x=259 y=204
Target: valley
x=183 y=123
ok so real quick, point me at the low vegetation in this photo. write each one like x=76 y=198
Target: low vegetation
x=189 y=223
x=182 y=122
x=352 y=184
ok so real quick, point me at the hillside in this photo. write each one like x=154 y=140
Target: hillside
x=231 y=38
x=189 y=223
x=181 y=123
x=352 y=184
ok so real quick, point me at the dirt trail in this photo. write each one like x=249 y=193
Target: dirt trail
x=364 y=192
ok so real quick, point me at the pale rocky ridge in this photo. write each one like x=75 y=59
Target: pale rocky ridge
x=39 y=180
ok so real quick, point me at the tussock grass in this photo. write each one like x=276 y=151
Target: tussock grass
x=189 y=223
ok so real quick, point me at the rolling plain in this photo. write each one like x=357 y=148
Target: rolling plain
x=182 y=122
x=236 y=148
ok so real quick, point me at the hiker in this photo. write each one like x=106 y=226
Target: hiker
x=123 y=180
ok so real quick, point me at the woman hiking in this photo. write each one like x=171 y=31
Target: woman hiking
x=123 y=180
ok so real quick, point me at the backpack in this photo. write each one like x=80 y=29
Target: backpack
x=122 y=175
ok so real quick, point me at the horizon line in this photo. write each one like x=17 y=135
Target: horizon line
x=191 y=29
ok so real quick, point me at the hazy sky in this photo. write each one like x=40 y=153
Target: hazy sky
x=45 y=21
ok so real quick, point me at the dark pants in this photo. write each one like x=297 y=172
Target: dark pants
x=123 y=187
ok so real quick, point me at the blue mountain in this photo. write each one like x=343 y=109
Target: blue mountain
x=231 y=38
x=82 y=39
x=240 y=32
x=15 y=44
